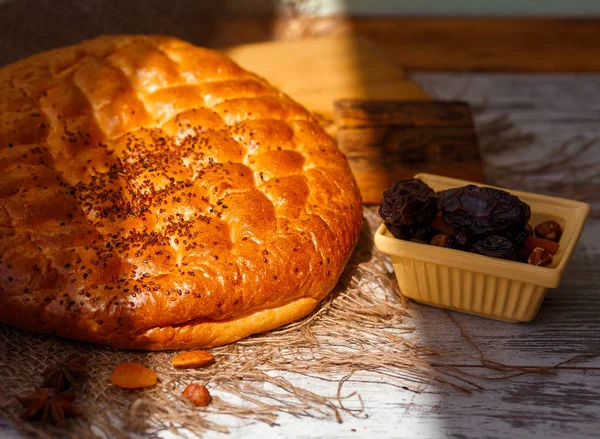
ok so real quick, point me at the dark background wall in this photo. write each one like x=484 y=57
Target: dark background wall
x=31 y=26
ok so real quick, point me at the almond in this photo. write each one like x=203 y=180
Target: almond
x=550 y=246
x=197 y=394
x=192 y=359
x=133 y=375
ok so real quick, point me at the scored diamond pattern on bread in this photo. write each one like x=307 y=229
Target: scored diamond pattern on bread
x=155 y=195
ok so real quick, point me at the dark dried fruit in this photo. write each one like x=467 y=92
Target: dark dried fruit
x=523 y=254
x=398 y=232
x=479 y=220
x=461 y=240
x=464 y=238
x=482 y=210
x=408 y=202
x=496 y=247
x=439 y=240
x=421 y=232
x=517 y=235
x=451 y=243
x=540 y=257
x=548 y=230
x=415 y=233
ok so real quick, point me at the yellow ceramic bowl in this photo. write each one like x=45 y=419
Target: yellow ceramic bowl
x=481 y=285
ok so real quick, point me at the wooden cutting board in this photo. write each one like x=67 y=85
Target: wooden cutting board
x=318 y=71
x=381 y=141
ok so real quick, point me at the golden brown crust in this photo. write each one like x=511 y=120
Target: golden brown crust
x=155 y=195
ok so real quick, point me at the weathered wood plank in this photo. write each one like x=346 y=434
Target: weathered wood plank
x=390 y=140
x=469 y=43
x=558 y=406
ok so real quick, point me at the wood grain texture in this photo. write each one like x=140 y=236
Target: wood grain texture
x=318 y=71
x=386 y=141
x=468 y=44
x=457 y=44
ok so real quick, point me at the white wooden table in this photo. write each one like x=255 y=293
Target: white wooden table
x=562 y=405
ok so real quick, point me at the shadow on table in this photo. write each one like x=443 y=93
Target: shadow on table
x=542 y=364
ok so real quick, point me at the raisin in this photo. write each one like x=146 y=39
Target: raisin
x=408 y=202
x=517 y=235
x=523 y=254
x=482 y=210
x=464 y=237
x=496 y=247
x=461 y=240
x=421 y=232
x=418 y=232
x=398 y=232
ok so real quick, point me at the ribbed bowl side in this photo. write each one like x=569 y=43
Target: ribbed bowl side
x=468 y=291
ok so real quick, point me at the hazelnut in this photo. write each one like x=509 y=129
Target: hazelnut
x=439 y=240
x=539 y=257
x=548 y=230
x=197 y=394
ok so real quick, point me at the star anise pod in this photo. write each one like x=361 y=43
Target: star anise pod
x=41 y=406
x=66 y=375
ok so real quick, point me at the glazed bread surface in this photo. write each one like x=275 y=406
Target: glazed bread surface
x=155 y=195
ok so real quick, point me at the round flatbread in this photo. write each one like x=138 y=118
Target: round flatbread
x=155 y=195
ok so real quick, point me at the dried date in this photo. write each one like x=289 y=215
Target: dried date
x=517 y=235
x=482 y=210
x=496 y=247
x=399 y=232
x=408 y=202
x=416 y=232
x=485 y=221
x=421 y=232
